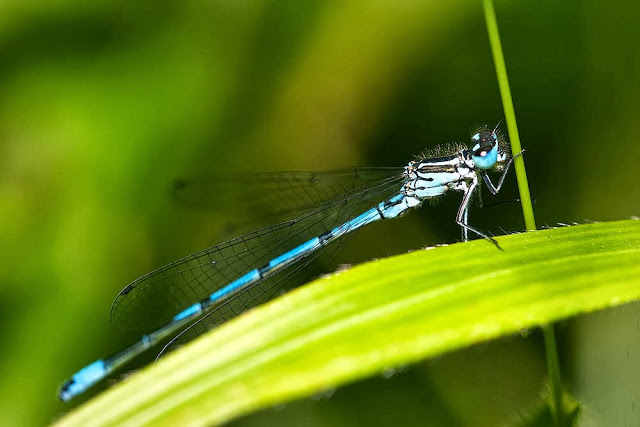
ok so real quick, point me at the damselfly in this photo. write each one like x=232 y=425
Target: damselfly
x=216 y=284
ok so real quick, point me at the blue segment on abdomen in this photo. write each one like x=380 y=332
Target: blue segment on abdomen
x=195 y=308
x=294 y=253
x=357 y=222
x=250 y=277
x=394 y=206
x=83 y=379
x=395 y=199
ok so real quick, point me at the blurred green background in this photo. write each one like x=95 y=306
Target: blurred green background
x=104 y=103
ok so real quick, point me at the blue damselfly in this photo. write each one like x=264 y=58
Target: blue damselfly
x=211 y=286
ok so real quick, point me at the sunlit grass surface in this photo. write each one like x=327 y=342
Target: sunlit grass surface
x=380 y=316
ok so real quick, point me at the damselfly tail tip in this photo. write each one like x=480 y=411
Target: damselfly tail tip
x=64 y=393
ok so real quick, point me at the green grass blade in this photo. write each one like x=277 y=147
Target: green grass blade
x=381 y=314
x=509 y=113
x=553 y=362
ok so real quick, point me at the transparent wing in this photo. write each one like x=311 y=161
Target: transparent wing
x=268 y=197
x=155 y=298
x=262 y=292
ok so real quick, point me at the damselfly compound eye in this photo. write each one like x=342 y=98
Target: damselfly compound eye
x=485 y=151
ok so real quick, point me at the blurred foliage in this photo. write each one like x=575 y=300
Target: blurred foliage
x=104 y=103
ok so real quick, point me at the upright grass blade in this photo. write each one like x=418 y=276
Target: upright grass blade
x=509 y=113
x=553 y=364
x=378 y=315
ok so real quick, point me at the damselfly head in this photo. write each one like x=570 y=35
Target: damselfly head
x=487 y=152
